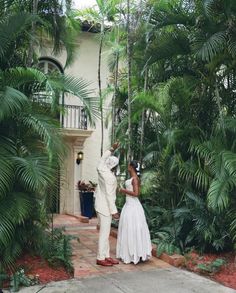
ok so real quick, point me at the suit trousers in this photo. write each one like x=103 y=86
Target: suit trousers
x=104 y=233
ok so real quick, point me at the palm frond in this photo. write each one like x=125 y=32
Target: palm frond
x=233 y=224
x=79 y=88
x=11 y=27
x=12 y=102
x=207 y=49
x=204 y=150
x=219 y=193
x=229 y=161
x=166 y=14
x=14 y=209
x=34 y=172
x=22 y=78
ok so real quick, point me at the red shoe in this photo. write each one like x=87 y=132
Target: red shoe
x=112 y=260
x=104 y=263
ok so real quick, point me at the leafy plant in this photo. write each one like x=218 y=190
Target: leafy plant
x=166 y=246
x=31 y=151
x=19 y=278
x=3 y=277
x=82 y=186
x=183 y=110
x=211 y=267
x=56 y=248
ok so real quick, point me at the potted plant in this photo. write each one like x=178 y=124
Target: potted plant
x=86 y=192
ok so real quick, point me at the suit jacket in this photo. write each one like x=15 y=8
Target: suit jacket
x=105 y=195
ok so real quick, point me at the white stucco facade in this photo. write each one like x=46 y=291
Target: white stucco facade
x=88 y=141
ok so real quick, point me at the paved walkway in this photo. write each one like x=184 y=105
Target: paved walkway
x=168 y=280
x=154 y=276
x=85 y=248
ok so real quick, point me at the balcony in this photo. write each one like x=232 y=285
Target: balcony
x=72 y=116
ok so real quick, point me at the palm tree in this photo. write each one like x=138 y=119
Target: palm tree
x=30 y=139
x=31 y=150
x=129 y=56
x=31 y=45
x=191 y=89
x=117 y=50
x=50 y=19
x=104 y=12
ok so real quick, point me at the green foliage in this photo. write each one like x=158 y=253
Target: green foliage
x=167 y=247
x=19 y=278
x=211 y=267
x=3 y=276
x=56 y=248
x=31 y=148
x=183 y=105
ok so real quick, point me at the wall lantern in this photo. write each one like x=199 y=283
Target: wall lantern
x=80 y=157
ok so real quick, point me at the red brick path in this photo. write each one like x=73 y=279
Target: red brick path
x=85 y=248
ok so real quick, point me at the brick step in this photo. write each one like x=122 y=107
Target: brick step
x=78 y=228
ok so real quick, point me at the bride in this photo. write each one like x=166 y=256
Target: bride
x=133 y=242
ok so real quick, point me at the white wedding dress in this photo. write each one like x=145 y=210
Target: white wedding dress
x=133 y=241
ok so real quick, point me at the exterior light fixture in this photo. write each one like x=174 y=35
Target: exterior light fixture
x=80 y=157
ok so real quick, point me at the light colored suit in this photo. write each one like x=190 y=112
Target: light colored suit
x=105 y=198
x=105 y=195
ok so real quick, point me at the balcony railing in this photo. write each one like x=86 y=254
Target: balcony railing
x=73 y=116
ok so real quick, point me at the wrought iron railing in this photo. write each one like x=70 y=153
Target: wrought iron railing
x=72 y=116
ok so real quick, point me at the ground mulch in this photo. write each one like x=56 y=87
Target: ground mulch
x=227 y=273
x=45 y=273
x=36 y=266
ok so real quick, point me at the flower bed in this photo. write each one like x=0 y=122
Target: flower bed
x=34 y=267
x=226 y=274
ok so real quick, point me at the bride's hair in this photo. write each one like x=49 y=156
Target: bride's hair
x=136 y=166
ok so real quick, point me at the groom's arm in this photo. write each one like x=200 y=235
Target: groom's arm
x=106 y=155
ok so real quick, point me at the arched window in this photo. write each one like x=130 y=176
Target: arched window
x=73 y=116
x=49 y=65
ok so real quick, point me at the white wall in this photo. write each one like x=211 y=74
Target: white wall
x=86 y=66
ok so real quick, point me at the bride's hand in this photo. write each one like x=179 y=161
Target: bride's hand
x=115 y=145
x=121 y=190
x=116 y=216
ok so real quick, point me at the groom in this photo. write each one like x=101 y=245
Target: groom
x=105 y=204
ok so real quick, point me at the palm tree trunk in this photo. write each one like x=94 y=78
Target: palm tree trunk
x=100 y=88
x=33 y=28
x=113 y=135
x=129 y=55
x=143 y=120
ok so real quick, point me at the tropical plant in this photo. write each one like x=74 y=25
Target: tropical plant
x=51 y=20
x=183 y=86
x=212 y=267
x=30 y=139
x=56 y=248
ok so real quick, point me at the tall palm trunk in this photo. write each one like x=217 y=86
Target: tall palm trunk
x=33 y=28
x=116 y=73
x=113 y=135
x=100 y=86
x=143 y=120
x=129 y=55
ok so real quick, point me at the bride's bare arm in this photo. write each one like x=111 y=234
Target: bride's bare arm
x=135 y=192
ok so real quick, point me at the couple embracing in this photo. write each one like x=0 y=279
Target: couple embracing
x=133 y=242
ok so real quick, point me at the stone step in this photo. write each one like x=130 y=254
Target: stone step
x=78 y=228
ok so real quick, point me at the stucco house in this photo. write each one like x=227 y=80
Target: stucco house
x=77 y=133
